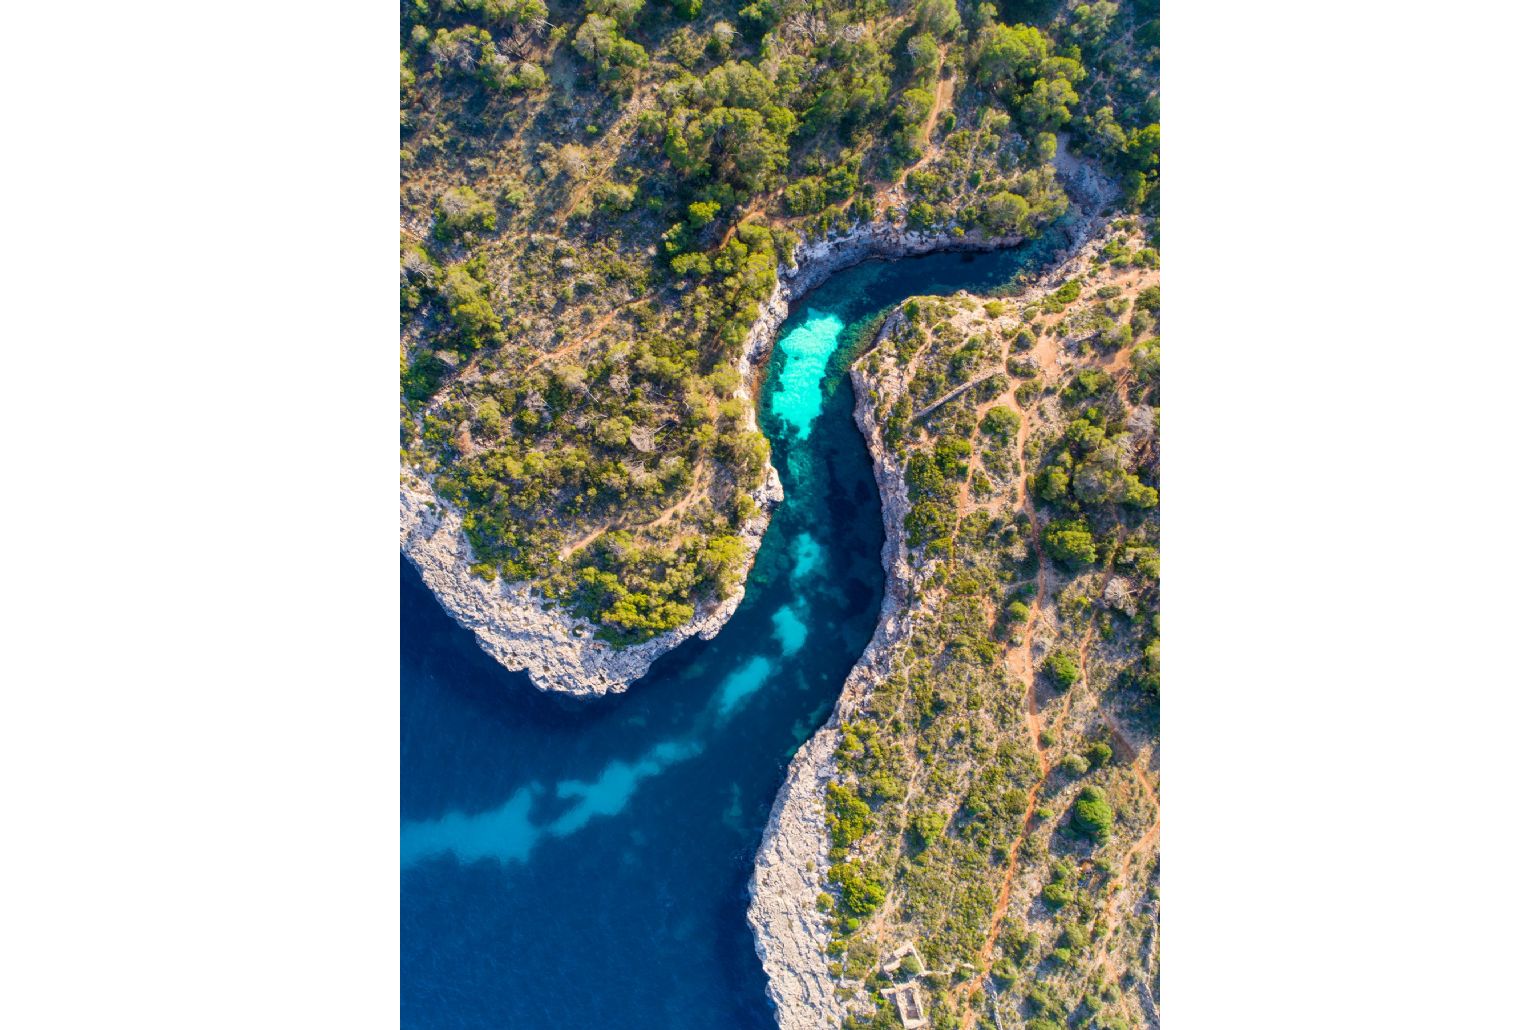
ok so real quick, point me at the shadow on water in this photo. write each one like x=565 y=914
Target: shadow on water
x=578 y=865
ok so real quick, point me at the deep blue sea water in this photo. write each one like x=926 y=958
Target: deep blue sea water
x=572 y=865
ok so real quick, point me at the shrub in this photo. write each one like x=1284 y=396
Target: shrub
x=1070 y=541
x=1067 y=293
x=1018 y=612
x=1061 y=668
x=488 y=418
x=1075 y=937
x=859 y=894
x=1074 y=764
x=1007 y=213
x=1098 y=754
x=421 y=377
x=928 y=827
x=1145 y=360
x=702 y=212
x=1001 y=422
x=1086 y=383
x=1091 y=815
x=1053 y=483
x=461 y=210
x=848 y=817
x=615 y=197
x=470 y=308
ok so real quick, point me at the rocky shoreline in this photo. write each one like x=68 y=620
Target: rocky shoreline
x=522 y=629
x=791 y=866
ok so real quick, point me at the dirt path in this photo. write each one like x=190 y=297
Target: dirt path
x=1114 y=891
x=946 y=85
x=1129 y=755
x=1013 y=856
x=696 y=492
x=606 y=152
x=1018 y=661
x=597 y=327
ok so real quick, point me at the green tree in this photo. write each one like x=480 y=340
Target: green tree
x=859 y=894
x=1009 y=53
x=938 y=17
x=805 y=196
x=1007 y=212
x=701 y=212
x=513 y=12
x=1074 y=764
x=848 y=817
x=1091 y=815
x=1070 y=541
x=928 y=827
x=470 y=307
x=1061 y=668
x=623 y=11
x=1001 y=422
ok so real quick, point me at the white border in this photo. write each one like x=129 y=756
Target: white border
x=199 y=728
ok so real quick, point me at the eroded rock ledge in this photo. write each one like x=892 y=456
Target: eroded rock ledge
x=521 y=628
x=792 y=864
x=790 y=934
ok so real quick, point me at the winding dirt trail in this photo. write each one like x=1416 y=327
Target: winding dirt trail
x=946 y=85
x=696 y=492
x=1013 y=856
x=1127 y=753
x=1018 y=661
x=598 y=326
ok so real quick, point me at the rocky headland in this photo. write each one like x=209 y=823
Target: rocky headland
x=524 y=630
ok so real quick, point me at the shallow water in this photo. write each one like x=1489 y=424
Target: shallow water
x=575 y=865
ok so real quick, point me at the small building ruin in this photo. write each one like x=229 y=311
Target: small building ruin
x=906 y=998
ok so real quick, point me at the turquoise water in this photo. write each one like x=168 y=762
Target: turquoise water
x=585 y=865
x=797 y=398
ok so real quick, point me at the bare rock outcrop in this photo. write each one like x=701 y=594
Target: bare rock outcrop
x=792 y=865
x=521 y=628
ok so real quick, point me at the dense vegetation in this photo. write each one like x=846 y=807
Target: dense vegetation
x=996 y=802
x=595 y=198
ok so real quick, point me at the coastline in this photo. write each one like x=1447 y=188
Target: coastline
x=791 y=865
x=523 y=630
